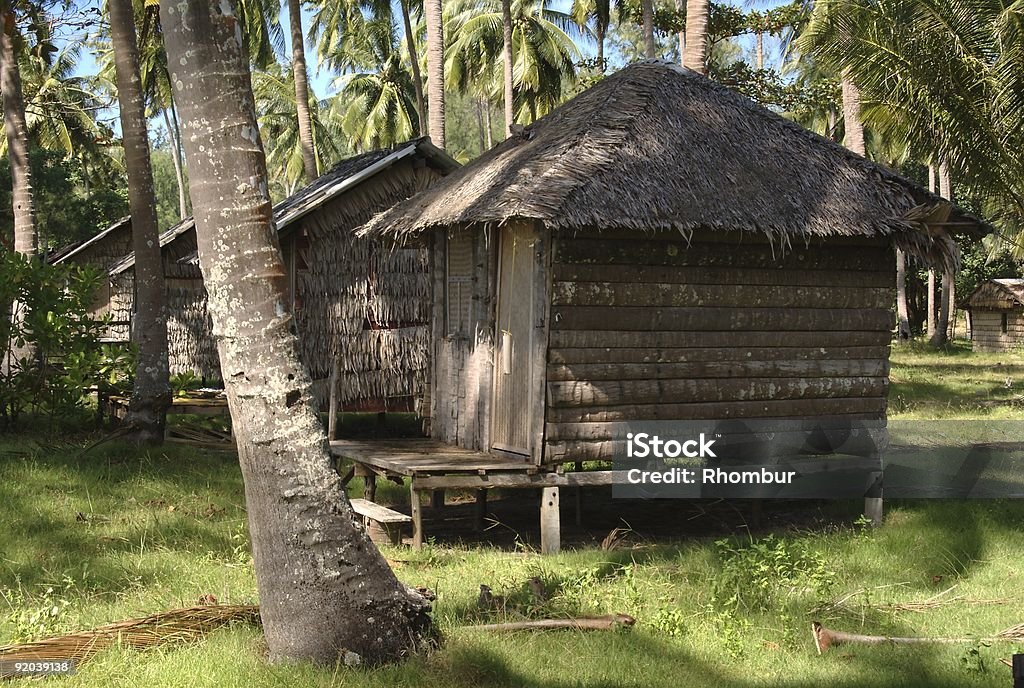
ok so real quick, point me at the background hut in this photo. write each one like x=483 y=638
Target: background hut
x=996 y=312
x=661 y=248
x=360 y=302
x=103 y=251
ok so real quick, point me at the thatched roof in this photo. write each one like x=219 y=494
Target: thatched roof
x=66 y=253
x=340 y=178
x=657 y=147
x=997 y=294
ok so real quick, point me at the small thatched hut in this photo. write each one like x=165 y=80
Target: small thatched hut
x=661 y=248
x=360 y=302
x=996 y=312
x=102 y=251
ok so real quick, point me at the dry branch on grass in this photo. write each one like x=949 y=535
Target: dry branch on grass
x=583 y=623
x=825 y=638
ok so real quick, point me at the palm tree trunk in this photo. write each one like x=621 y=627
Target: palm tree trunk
x=179 y=173
x=326 y=593
x=25 y=240
x=488 y=127
x=902 y=312
x=16 y=129
x=435 y=70
x=759 y=49
x=600 y=30
x=941 y=335
x=414 y=60
x=506 y=57
x=151 y=393
x=681 y=6
x=480 y=123
x=647 y=8
x=933 y=187
x=695 y=56
x=302 y=90
x=854 y=138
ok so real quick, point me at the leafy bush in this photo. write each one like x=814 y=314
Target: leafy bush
x=49 y=345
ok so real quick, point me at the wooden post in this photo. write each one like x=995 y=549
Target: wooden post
x=550 y=522
x=1018 y=671
x=579 y=498
x=436 y=499
x=417 y=516
x=481 y=510
x=369 y=486
x=332 y=403
x=873 y=503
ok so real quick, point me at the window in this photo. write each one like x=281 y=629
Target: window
x=1004 y=322
x=459 y=284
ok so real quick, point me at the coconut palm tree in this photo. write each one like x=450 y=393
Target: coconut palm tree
x=322 y=584
x=953 y=71
x=335 y=22
x=543 y=52
x=376 y=106
x=599 y=12
x=276 y=112
x=151 y=391
x=301 y=83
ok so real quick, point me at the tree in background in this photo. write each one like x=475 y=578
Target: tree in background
x=433 y=14
x=301 y=81
x=151 y=389
x=16 y=130
x=326 y=593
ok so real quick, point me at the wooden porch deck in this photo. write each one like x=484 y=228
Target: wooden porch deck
x=434 y=466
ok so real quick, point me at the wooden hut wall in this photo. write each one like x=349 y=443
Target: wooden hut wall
x=190 y=342
x=987 y=329
x=460 y=401
x=651 y=327
x=102 y=255
x=364 y=302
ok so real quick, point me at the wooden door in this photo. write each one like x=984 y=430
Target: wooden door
x=510 y=424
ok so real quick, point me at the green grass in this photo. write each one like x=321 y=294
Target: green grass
x=955 y=383
x=119 y=532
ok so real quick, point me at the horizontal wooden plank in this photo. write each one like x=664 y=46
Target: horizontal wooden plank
x=376 y=512
x=735 y=296
x=637 y=318
x=617 y=339
x=777 y=276
x=620 y=392
x=730 y=441
x=863 y=407
x=571 y=356
x=718 y=369
x=639 y=252
x=736 y=237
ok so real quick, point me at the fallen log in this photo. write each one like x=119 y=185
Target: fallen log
x=584 y=623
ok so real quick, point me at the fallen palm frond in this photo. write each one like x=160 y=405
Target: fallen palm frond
x=1012 y=633
x=174 y=626
x=942 y=599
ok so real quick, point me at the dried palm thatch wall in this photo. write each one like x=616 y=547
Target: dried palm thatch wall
x=996 y=311
x=101 y=252
x=364 y=303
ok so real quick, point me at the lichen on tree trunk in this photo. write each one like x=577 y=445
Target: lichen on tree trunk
x=326 y=593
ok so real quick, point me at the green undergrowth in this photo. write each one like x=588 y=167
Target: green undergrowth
x=117 y=533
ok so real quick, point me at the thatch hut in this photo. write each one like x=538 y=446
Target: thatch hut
x=357 y=301
x=996 y=313
x=103 y=251
x=659 y=248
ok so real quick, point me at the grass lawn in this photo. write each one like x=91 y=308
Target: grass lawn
x=117 y=532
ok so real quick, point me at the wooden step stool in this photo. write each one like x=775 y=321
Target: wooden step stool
x=383 y=525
